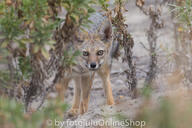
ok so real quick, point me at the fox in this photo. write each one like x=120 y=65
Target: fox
x=95 y=44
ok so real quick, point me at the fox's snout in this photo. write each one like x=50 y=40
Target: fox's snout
x=93 y=66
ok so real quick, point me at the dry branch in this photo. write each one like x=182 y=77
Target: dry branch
x=154 y=14
x=46 y=74
x=127 y=42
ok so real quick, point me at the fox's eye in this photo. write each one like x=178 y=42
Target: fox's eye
x=100 y=52
x=85 y=53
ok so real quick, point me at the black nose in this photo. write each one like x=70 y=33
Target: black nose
x=93 y=65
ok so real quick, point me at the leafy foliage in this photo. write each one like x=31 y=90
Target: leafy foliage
x=104 y=4
x=79 y=8
x=69 y=57
x=24 y=64
x=8 y=108
x=184 y=12
x=25 y=23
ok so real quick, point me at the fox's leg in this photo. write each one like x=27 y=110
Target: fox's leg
x=77 y=95
x=86 y=84
x=61 y=87
x=104 y=73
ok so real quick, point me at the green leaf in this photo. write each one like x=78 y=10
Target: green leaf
x=26 y=40
x=77 y=53
x=45 y=53
x=75 y=18
x=51 y=42
x=91 y=10
x=4 y=43
x=36 y=48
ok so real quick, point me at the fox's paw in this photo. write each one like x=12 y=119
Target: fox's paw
x=110 y=102
x=83 y=107
x=73 y=112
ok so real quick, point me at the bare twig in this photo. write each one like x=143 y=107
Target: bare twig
x=154 y=14
x=125 y=39
x=47 y=74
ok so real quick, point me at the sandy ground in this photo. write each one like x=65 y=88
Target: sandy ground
x=138 y=25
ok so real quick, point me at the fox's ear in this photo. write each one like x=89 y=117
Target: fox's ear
x=79 y=37
x=106 y=32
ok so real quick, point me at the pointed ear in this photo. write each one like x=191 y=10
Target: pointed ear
x=106 y=32
x=79 y=36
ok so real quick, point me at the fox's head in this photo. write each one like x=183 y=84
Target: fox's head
x=95 y=47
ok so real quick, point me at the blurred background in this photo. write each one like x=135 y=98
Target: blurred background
x=158 y=65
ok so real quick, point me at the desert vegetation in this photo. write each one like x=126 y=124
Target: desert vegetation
x=150 y=72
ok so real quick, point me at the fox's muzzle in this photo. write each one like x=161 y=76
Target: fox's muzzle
x=93 y=66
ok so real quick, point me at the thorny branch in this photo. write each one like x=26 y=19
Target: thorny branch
x=124 y=38
x=46 y=74
x=154 y=14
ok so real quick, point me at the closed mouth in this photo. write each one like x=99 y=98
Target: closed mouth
x=93 y=69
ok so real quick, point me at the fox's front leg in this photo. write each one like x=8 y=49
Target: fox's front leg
x=104 y=73
x=61 y=87
x=76 y=98
x=86 y=84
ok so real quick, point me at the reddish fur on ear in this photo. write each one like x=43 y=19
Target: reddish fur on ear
x=108 y=32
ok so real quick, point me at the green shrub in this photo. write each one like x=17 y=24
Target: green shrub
x=12 y=114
